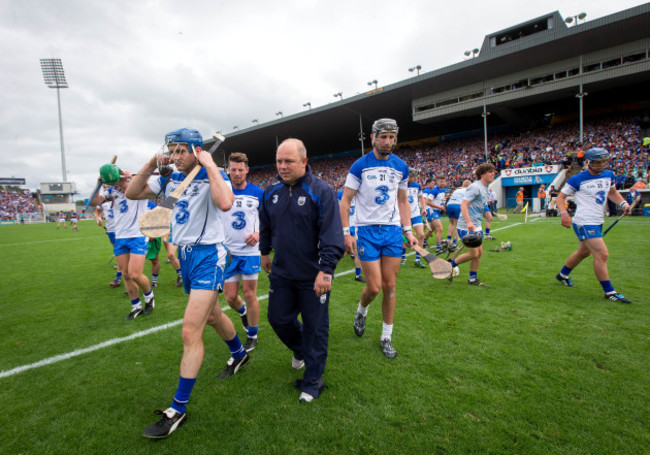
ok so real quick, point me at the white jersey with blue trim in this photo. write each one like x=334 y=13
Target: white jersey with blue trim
x=353 y=207
x=590 y=195
x=477 y=195
x=437 y=196
x=126 y=213
x=196 y=220
x=456 y=197
x=377 y=182
x=243 y=219
x=414 y=191
x=109 y=217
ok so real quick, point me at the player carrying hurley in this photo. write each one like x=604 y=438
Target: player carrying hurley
x=591 y=189
x=130 y=245
x=197 y=224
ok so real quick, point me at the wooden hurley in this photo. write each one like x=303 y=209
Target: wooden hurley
x=440 y=269
x=501 y=216
x=156 y=223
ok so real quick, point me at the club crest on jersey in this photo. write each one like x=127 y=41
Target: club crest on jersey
x=249 y=204
x=275 y=199
x=195 y=190
x=301 y=200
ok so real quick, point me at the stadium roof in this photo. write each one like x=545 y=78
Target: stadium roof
x=334 y=128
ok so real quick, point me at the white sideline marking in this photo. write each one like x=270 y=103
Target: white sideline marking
x=47 y=241
x=114 y=341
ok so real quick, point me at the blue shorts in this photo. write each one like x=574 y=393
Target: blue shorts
x=416 y=221
x=374 y=242
x=132 y=245
x=353 y=231
x=243 y=265
x=434 y=215
x=486 y=208
x=111 y=237
x=453 y=211
x=202 y=266
x=588 y=231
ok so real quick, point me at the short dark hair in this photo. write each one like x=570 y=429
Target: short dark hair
x=484 y=168
x=238 y=157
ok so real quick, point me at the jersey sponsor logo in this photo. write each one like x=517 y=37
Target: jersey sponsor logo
x=372 y=177
x=239 y=222
x=302 y=200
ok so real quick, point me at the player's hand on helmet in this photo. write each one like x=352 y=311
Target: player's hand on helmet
x=204 y=158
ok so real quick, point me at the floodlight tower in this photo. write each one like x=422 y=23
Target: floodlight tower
x=55 y=78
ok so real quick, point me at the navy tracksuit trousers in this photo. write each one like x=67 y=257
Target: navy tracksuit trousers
x=308 y=340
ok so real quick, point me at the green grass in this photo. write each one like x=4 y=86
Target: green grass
x=525 y=366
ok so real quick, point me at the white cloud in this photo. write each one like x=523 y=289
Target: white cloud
x=139 y=69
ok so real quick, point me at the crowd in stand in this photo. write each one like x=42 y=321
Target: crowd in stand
x=16 y=203
x=455 y=160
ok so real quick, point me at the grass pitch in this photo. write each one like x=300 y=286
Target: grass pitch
x=524 y=366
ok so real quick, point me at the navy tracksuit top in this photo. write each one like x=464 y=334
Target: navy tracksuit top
x=302 y=224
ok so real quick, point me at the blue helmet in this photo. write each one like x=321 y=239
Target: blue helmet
x=596 y=154
x=187 y=136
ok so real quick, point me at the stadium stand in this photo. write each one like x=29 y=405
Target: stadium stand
x=17 y=205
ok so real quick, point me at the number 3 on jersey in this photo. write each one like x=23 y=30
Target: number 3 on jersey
x=183 y=215
x=383 y=195
x=239 y=221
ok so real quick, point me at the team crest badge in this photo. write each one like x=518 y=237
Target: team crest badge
x=361 y=251
x=301 y=200
x=275 y=199
x=323 y=298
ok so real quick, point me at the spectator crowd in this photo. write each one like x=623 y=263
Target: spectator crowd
x=456 y=159
x=16 y=203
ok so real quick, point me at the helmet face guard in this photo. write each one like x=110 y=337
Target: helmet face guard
x=173 y=139
x=384 y=125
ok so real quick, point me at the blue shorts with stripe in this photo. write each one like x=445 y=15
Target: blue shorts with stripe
x=132 y=245
x=111 y=237
x=373 y=242
x=243 y=265
x=203 y=266
x=416 y=220
x=588 y=231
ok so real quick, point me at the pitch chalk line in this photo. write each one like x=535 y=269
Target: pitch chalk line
x=114 y=341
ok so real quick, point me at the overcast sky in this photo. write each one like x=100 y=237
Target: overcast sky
x=138 y=69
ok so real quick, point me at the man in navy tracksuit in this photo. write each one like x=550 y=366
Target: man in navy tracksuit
x=300 y=222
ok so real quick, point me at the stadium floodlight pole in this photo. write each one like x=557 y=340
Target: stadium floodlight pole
x=54 y=77
x=581 y=94
x=339 y=95
x=416 y=68
x=374 y=81
x=307 y=105
x=362 y=136
x=484 y=114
